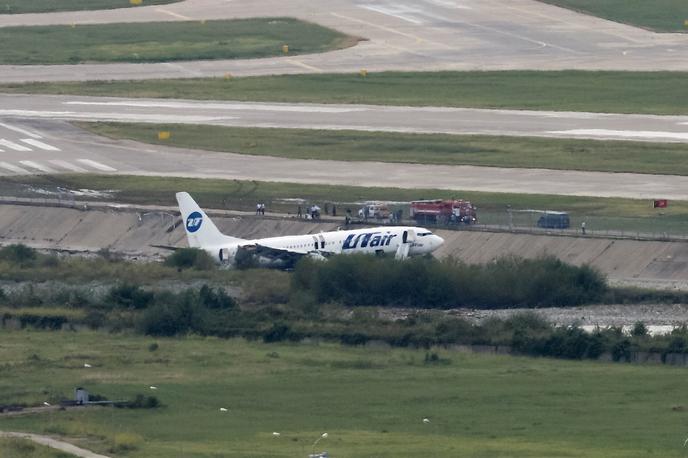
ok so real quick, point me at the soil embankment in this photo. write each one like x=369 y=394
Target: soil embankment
x=137 y=232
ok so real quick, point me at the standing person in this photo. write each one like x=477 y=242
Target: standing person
x=334 y=210
x=262 y=209
x=299 y=212
x=327 y=208
x=583 y=227
x=258 y=208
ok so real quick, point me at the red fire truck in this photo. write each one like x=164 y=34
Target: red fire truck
x=443 y=211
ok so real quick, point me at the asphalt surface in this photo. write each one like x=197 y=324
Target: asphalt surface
x=400 y=35
x=50 y=146
x=354 y=117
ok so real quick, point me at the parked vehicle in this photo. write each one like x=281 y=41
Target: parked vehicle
x=443 y=211
x=554 y=220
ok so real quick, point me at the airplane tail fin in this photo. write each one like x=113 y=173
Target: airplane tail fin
x=200 y=230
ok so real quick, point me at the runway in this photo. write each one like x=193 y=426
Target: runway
x=354 y=117
x=59 y=147
x=409 y=35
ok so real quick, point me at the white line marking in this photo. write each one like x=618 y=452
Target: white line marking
x=647 y=134
x=173 y=14
x=397 y=12
x=303 y=65
x=21 y=131
x=97 y=165
x=37 y=166
x=13 y=168
x=221 y=106
x=39 y=144
x=14 y=146
x=67 y=165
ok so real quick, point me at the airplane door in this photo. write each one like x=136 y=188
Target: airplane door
x=315 y=242
x=322 y=241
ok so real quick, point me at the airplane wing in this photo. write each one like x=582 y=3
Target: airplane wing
x=275 y=256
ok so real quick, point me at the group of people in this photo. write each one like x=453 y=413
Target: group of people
x=313 y=211
x=260 y=209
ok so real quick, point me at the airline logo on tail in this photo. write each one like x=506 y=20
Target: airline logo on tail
x=193 y=222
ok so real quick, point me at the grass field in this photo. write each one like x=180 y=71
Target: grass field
x=43 y=6
x=165 y=41
x=563 y=154
x=599 y=213
x=22 y=448
x=370 y=402
x=612 y=92
x=658 y=15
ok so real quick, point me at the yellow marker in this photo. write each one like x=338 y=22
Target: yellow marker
x=685 y=22
x=285 y=49
x=202 y=21
x=135 y=2
x=363 y=72
x=164 y=135
x=228 y=76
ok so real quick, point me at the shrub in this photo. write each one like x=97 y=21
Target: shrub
x=130 y=296
x=215 y=299
x=190 y=258
x=427 y=283
x=20 y=255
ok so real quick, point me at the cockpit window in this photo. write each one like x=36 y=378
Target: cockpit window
x=423 y=234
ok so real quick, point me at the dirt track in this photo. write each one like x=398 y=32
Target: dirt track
x=628 y=262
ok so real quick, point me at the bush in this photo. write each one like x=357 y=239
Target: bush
x=173 y=315
x=20 y=255
x=130 y=296
x=215 y=299
x=190 y=258
x=359 y=280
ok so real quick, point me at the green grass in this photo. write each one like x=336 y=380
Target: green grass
x=562 y=154
x=370 y=402
x=165 y=41
x=613 y=92
x=658 y=15
x=23 y=448
x=43 y=6
x=600 y=213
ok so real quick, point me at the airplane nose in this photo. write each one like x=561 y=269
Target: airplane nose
x=439 y=241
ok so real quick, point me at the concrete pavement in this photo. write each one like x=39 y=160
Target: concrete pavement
x=401 y=35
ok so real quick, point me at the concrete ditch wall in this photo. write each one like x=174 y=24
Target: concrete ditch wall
x=133 y=232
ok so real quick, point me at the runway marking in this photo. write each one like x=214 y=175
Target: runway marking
x=67 y=165
x=97 y=165
x=391 y=30
x=13 y=168
x=20 y=130
x=395 y=12
x=37 y=166
x=14 y=146
x=647 y=134
x=223 y=106
x=448 y=4
x=40 y=145
x=303 y=65
x=173 y=14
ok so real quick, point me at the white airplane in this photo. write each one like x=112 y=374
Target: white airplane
x=400 y=241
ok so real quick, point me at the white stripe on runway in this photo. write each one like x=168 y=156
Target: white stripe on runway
x=67 y=165
x=14 y=146
x=37 y=166
x=40 y=145
x=13 y=168
x=21 y=131
x=97 y=165
x=640 y=134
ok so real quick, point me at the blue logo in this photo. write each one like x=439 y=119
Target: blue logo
x=367 y=239
x=193 y=222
